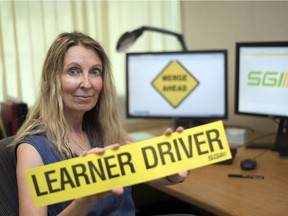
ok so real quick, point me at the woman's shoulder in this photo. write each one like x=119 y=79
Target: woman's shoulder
x=44 y=147
x=34 y=140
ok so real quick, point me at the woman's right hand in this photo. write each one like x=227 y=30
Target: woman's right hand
x=95 y=197
x=81 y=205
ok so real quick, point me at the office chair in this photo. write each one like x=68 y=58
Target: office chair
x=8 y=181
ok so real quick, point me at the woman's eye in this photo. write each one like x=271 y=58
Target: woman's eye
x=73 y=71
x=97 y=72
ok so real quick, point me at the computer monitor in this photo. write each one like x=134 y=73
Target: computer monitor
x=262 y=84
x=190 y=86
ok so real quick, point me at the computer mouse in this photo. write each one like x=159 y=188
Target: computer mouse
x=248 y=164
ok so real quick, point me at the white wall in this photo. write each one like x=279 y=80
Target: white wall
x=219 y=25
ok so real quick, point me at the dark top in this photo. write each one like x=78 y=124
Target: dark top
x=112 y=205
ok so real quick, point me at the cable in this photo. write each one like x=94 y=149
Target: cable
x=260 y=154
x=259 y=137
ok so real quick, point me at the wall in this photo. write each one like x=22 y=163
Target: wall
x=219 y=25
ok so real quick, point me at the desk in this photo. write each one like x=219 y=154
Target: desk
x=209 y=187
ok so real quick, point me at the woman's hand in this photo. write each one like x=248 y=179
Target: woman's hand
x=95 y=197
x=179 y=177
x=169 y=131
x=101 y=151
x=175 y=178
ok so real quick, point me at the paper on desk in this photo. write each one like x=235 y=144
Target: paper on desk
x=131 y=164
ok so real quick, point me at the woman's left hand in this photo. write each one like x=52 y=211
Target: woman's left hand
x=169 y=131
x=177 y=178
x=181 y=176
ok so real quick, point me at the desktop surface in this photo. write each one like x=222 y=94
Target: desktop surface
x=211 y=189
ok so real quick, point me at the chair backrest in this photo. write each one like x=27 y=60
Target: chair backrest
x=8 y=180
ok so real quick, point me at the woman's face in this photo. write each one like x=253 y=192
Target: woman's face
x=81 y=79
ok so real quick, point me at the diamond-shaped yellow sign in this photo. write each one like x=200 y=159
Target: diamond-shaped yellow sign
x=175 y=83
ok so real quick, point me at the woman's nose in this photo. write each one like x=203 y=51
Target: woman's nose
x=85 y=82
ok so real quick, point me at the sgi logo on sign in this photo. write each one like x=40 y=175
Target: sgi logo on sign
x=175 y=83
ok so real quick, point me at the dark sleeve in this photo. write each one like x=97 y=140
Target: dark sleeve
x=44 y=147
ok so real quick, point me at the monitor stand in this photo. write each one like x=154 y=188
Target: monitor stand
x=188 y=123
x=281 y=141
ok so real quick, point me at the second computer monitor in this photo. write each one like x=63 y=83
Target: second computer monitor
x=181 y=85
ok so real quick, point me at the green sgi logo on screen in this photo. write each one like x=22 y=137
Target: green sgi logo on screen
x=268 y=79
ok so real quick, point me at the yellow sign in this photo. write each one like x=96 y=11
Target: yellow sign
x=175 y=83
x=131 y=164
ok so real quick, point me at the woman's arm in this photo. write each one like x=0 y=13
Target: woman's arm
x=81 y=206
x=27 y=158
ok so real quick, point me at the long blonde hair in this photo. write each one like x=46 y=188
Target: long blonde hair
x=102 y=123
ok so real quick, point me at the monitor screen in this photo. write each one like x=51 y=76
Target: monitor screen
x=262 y=79
x=184 y=85
x=262 y=86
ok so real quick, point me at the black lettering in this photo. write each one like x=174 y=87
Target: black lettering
x=65 y=178
x=177 y=150
x=174 y=78
x=167 y=152
x=182 y=88
x=168 y=88
x=188 y=152
x=109 y=166
x=78 y=171
x=93 y=169
x=50 y=181
x=127 y=162
x=198 y=143
x=213 y=137
x=37 y=187
x=154 y=156
x=174 y=88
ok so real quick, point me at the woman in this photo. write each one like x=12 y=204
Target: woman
x=75 y=114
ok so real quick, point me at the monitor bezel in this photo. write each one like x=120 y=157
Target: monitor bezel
x=204 y=118
x=237 y=73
